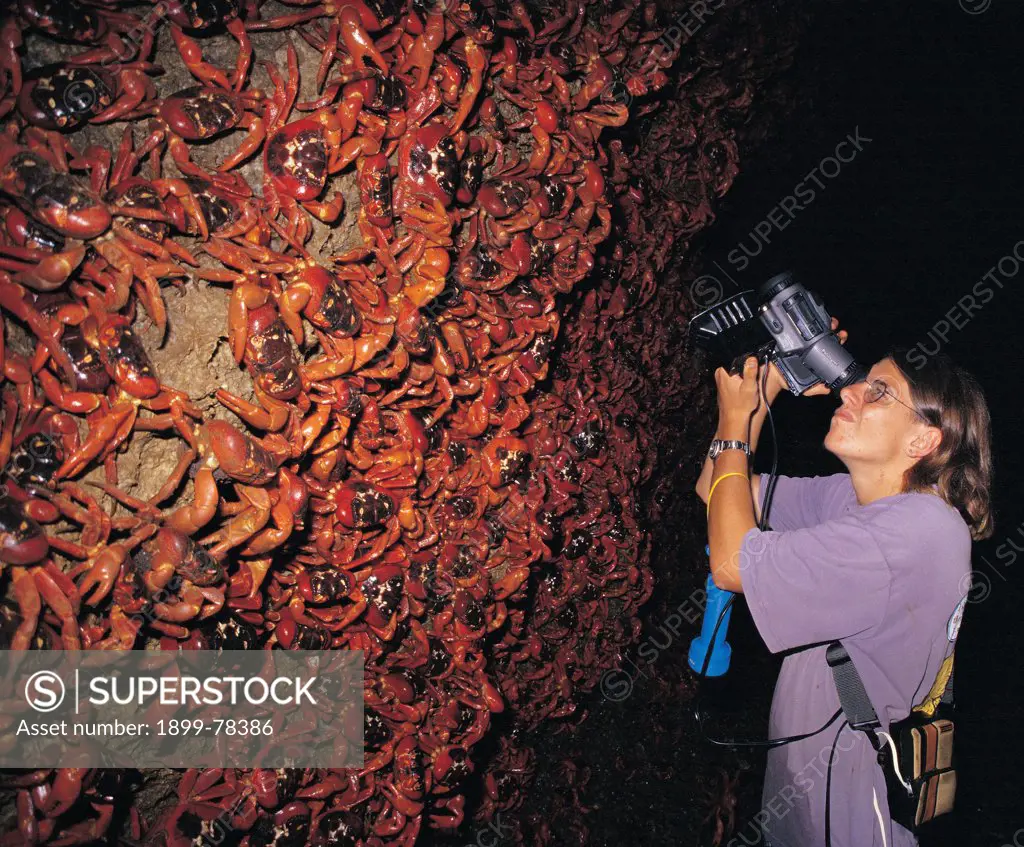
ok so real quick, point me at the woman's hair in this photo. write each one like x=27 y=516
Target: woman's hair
x=961 y=466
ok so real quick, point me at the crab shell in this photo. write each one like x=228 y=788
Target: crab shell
x=59 y=200
x=361 y=506
x=236 y=454
x=201 y=14
x=296 y=159
x=22 y=541
x=125 y=359
x=333 y=309
x=428 y=158
x=59 y=97
x=270 y=355
x=199 y=112
x=67 y=20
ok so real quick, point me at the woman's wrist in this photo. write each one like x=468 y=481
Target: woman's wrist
x=734 y=428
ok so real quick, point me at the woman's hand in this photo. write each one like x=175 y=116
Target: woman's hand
x=738 y=393
x=737 y=398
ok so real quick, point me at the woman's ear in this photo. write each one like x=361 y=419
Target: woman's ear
x=925 y=442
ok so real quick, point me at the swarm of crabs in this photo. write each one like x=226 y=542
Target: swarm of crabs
x=447 y=422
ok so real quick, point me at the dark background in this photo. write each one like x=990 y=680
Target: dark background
x=906 y=229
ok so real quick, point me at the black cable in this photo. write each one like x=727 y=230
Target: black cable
x=769 y=743
x=772 y=477
x=828 y=787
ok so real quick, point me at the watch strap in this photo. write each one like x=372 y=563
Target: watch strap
x=719 y=444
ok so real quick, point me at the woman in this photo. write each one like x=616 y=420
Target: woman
x=878 y=557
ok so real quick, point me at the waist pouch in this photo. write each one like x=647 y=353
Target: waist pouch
x=924 y=756
x=919 y=770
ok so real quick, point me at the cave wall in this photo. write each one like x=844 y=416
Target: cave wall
x=517 y=393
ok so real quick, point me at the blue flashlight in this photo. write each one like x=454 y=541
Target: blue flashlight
x=712 y=632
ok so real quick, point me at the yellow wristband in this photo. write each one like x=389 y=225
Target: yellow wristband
x=715 y=485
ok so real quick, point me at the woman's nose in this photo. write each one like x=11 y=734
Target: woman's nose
x=852 y=394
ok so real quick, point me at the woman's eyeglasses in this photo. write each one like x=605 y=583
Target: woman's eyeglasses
x=878 y=388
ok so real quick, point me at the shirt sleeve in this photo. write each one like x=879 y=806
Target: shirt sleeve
x=802 y=501
x=812 y=585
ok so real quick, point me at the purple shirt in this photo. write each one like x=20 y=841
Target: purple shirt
x=889 y=580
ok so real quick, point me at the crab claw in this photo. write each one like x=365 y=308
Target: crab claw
x=103 y=568
x=106 y=430
x=52 y=271
x=102 y=573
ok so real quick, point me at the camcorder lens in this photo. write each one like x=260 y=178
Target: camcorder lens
x=774 y=285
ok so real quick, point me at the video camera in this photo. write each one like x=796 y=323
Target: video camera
x=790 y=326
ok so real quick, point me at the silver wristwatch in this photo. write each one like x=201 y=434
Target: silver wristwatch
x=718 y=445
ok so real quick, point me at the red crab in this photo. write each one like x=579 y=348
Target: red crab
x=65 y=96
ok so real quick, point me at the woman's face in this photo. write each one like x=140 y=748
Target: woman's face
x=874 y=433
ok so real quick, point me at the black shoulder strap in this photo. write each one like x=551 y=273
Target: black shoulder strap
x=852 y=697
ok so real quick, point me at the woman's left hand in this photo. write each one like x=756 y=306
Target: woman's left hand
x=737 y=394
